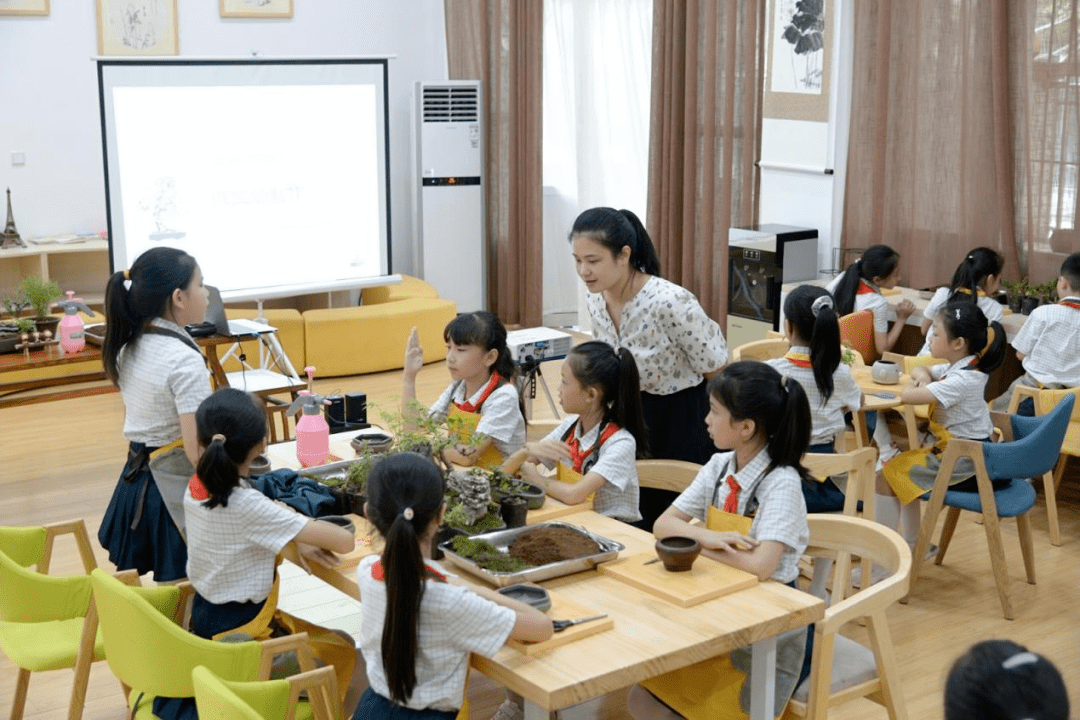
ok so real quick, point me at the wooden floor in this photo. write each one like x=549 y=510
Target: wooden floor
x=61 y=460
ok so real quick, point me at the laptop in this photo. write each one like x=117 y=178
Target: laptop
x=217 y=323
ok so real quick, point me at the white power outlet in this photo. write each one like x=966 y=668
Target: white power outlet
x=18 y=158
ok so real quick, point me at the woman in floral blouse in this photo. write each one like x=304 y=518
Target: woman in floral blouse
x=677 y=346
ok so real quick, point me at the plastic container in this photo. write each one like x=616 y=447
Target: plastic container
x=71 y=335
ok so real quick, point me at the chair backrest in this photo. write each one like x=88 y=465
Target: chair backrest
x=674 y=475
x=859 y=466
x=29 y=596
x=1046 y=399
x=148 y=652
x=1036 y=449
x=760 y=350
x=908 y=362
x=858 y=329
x=215 y=700
x=218 y=699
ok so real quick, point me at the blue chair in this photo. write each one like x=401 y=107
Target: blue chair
x=1030 y=450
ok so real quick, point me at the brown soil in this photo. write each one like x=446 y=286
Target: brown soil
x=552 y=544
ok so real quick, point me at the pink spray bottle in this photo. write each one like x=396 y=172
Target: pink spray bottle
x=312 y=432
x=72 y=337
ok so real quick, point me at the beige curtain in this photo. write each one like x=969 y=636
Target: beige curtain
x=964 y=132
x=500 y=42
x=704 y=137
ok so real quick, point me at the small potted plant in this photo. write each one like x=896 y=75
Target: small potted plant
x=1031 y=299
x=14 y=303
x=41 y=293
x=1016 y=291
x=1047 y=292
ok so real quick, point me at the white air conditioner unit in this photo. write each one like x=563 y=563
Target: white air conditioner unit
x=448 y=191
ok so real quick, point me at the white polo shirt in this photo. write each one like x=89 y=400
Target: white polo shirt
x=500 y=415
x=875 y=302
x=1050 y=342
x=960 y=407
x=615 y=461
x=826 y=420
x=992 y=309
x=454 y=622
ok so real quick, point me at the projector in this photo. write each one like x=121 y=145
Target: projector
x=538 y=344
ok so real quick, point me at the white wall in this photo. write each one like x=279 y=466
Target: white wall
x=796 y=191
x=49 y=99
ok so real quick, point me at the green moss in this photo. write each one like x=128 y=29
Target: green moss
x=486 y=555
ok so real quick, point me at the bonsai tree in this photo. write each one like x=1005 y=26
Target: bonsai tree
x=424 y=434
x=1047 y=291
x=40 y=293
x=15 y=302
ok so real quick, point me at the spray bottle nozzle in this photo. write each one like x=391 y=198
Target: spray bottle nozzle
x=73 y=305
x=308 y=401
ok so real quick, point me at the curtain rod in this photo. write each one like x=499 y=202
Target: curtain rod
x=789 y=167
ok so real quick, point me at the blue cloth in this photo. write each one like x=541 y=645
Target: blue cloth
x=208 y=619
x=374 y=706
x=305 y=496
x=137 y=529
x=822 y=496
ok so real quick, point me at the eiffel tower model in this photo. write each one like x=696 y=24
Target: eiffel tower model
x=10 y=236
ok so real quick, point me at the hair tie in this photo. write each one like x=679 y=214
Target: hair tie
x=858 y=261
x=989 y=340
x=823 y=301
x=219 y=437
x=127 y=274
x=957 y=313
x=783 y=382
x=970 y=257
x=407 y=513
x=1020 y=658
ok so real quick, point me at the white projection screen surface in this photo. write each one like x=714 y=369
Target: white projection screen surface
x=273 y=174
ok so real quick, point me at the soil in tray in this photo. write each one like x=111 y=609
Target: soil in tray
x=552 y=544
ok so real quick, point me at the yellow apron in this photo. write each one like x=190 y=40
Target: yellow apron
x=569 y=476
x=708 y=690
x=326 y=645
x=898 y=470
x=466 y=423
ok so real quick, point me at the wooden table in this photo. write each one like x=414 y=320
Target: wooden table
x=49 y=357
x=872 y=400
x=650 y=635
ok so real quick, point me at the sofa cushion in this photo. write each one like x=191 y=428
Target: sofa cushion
x=410 y=287
x=371 y=338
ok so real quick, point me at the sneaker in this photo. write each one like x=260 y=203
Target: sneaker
x=930 y=552
x=509 y=710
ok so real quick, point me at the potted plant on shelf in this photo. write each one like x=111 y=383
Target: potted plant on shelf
x=14 y=303
x=1047 y=292
x=1016 y=291
x=41 y=293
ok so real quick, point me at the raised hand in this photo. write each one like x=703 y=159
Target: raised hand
x=414 y=354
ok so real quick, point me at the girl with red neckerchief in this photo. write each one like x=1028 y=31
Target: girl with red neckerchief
x=483 y=395
x=860 y=286
x=596 y=446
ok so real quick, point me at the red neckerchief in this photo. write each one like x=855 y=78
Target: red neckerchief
x=731 y=504
x=488 y=389
x=1073 y=305
x=197 y=489
x=798 y=359
x=379 y=573
x=864 y=288
x=576 y=455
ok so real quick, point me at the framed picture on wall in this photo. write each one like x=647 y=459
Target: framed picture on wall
x=24 y=7
x=137 y=27
x=255 y=8
x=799 y=55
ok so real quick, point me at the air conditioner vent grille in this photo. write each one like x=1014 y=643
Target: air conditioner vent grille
x=450 y=103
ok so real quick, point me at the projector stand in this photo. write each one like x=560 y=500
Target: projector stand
x=529 y=373
x=275 y=373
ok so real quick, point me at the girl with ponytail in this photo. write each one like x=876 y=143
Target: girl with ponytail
x=814 y=360
x=750 y=499
x=235 y=533
x=162 y=379
x=976 y=280
x=597 y=444
x=483 y=395
x=859 y=288
x=417 y=630
x=675 y=344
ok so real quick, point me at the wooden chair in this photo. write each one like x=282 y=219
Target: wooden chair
x=277 y=411
x=1031 y=450
x=673 y=475
x=858 y=329
x=1045 y=401
x=43 y=617
x=842 y=669
x=760 y=350
x=218 y=699
x=539 y=429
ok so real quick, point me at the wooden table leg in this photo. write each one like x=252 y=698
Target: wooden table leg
x=763 y=679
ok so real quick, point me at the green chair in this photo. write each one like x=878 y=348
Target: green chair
x=218 y=699
x=42 y=623
x=153 y=656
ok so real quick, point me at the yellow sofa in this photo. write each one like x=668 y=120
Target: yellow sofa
x=410 y=287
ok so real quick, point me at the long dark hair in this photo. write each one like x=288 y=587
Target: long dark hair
x=241 y=419
x=614 y=372
x=962 y=319
x=1001 y=680
x=877 y=261
x=752 y=390
x=812 y=313
x=399 y=482
x=483 y=329
x=154 y=275
x=616 y=229
x=972 y=272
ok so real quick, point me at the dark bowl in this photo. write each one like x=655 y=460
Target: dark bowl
x=372 y=443
x=260 y=465
x=533 y=595
x=340 y=521
x=678 y=553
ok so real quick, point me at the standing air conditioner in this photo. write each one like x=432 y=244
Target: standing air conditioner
x=448 y=191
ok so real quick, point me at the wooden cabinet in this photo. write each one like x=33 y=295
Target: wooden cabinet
x=81 y=266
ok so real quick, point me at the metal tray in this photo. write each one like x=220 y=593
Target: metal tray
x=609 y=550
x=331 y=471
